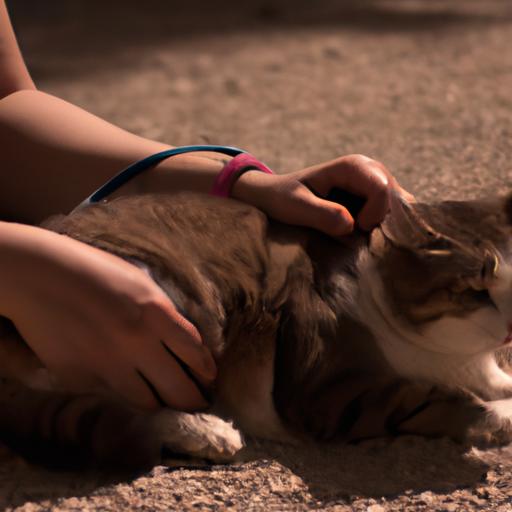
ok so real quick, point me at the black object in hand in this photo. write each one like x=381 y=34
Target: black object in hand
x=354 y=204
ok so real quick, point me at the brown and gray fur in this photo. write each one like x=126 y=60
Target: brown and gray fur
x=389 y=333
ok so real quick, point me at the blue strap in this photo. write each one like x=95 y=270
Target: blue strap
x=136 y=168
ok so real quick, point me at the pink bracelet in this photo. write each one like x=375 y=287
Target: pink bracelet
x=233 y=170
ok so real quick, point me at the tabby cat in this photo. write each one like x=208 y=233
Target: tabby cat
x=383 y=334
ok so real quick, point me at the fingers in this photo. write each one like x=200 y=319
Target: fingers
x=164 y=362
x=358 y=175
x=331 y=218
x=171 y=383
x=156 y=380
x=375 y=208
x=370 y=179
x=181 y=337
x=174 y=365
x=300 y=206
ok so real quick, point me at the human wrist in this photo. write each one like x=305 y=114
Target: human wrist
x=253 y=185
x=233 y=171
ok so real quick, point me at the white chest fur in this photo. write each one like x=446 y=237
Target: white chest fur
x=453 y=351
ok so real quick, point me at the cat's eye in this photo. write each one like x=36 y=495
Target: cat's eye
x=490 y=267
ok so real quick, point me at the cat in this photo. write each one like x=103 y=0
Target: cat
x=385 y=333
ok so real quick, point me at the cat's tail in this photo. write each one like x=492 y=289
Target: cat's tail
x=74 y=431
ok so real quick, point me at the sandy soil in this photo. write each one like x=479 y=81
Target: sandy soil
x=424 y=86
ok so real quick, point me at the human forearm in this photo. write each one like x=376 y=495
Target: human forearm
x=14 y=75
x=28 y=255
x=17 y=245
x=55 y=154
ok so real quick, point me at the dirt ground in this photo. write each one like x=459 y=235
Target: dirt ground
x=424 y=86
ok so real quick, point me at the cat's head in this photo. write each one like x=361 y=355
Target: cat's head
x=446 y=269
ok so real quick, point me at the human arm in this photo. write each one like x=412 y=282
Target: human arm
x=103 y=311
x=61 y=153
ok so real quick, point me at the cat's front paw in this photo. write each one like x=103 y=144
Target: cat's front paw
x=494 y=427
x=202 y=436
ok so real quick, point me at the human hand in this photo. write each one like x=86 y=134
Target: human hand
x=95 y=320
x=291 y=197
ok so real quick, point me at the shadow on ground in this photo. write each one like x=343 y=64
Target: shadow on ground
x=380 y=468
x=330 y=473
x=89 y=35
x=21 y=483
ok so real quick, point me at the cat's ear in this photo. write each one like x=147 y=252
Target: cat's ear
x=405 y=227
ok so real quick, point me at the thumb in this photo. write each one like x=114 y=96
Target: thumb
x=331 y=218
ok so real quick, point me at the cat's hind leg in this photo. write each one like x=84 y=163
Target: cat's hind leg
x=63 y=430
